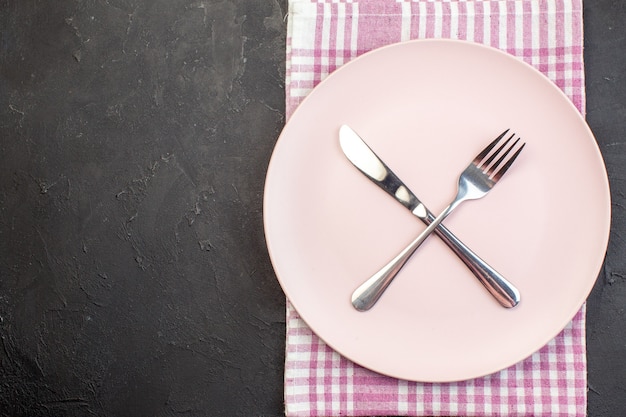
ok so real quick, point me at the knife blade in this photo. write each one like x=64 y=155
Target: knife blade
x=366 y=161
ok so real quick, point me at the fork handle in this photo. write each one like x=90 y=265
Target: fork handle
x=501 y=289
x=368 y=293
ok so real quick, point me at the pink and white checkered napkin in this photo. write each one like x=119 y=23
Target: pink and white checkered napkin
x=323 y=35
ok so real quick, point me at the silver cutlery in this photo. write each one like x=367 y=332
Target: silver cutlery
x=474 y=182
x=366 y=161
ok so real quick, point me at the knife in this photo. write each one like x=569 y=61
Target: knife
x=364 y=158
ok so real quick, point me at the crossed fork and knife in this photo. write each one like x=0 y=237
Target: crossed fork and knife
x=480 y=176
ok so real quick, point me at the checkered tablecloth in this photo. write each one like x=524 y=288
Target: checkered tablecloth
x=325 y=34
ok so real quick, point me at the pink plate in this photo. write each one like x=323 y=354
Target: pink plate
x=427 y=107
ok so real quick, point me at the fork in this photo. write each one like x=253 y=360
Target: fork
x=474 y=182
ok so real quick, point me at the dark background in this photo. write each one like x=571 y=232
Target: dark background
x=134 y=140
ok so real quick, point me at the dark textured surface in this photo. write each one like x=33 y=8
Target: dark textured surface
x=134 y=275
x=605 y=66
x=134 y=139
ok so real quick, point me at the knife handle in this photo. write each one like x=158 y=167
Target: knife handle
x=501 y=289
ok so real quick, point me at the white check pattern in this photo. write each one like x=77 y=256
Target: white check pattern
x=323 y=35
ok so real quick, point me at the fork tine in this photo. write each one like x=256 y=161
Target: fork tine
x=493 y=168
x=489 y=147
x=505 y=167
x=485 y=166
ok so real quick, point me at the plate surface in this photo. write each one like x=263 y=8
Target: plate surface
x=427 y=107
